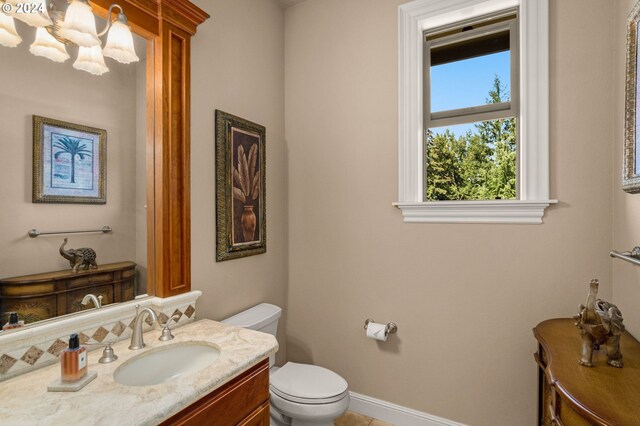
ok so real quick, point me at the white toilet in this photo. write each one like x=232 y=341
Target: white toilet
x=301 y=394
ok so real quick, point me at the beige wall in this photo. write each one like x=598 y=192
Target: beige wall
x=32 y=85
x=626 y=235
x=237 y=66
x=465 y=297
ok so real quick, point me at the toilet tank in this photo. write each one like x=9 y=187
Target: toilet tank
x=263 y=317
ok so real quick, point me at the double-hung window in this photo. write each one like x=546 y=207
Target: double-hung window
x=470 y=110
x=473 y=111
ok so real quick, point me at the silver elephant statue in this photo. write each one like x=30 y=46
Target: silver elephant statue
x=600 y=323
x=84 y=258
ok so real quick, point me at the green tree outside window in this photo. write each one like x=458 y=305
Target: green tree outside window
x=478 y=165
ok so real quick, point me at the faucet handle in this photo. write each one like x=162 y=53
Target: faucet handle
x=108 y=355
x=174 y=318
x=166 y=331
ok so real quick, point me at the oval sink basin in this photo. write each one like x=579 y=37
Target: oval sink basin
x=166 y=363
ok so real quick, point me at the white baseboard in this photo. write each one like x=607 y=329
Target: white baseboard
x=395 y=414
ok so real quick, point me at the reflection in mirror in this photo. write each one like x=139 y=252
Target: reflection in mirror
x=50 y=173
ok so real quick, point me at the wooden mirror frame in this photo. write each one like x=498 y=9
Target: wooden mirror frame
x=168 y=25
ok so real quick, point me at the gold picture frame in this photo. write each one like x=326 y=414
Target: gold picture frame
x=69 y=162
x=241 y=214
x=631 y=150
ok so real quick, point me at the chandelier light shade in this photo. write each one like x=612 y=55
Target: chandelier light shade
x=55 y=29
x=34 y=13
x=47 y=46
x=79 y=25
x=120 y=44
x=90 y=59
x=8 y=35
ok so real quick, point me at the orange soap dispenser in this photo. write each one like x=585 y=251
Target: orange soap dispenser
x=73 y=361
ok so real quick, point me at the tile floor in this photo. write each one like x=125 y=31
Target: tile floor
x=355 y=419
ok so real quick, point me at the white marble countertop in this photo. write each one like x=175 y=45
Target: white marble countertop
x=24 y=400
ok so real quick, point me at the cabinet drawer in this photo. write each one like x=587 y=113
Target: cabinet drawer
x=90 y=279
x=232 y=404
x=260 y=417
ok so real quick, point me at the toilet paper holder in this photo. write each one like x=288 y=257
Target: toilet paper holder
x=391 y=327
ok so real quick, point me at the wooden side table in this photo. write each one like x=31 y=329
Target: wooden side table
x=573 y=395
x=42 y=296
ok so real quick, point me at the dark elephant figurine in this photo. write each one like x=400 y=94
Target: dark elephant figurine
x=84 y=258
x=600 y=323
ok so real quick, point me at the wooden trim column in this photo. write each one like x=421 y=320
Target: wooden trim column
x=169 y=25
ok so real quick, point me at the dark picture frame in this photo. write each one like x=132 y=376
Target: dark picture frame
x=69 y=162
x=631 y=150
x=241 y=220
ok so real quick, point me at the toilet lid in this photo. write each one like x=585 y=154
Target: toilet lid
x=308 y=382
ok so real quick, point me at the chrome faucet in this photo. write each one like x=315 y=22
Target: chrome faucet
x=97 y=301
x=137 y=341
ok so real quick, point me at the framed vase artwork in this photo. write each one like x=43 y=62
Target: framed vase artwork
x=241 y=221
x=69 y=163
x=631 y=159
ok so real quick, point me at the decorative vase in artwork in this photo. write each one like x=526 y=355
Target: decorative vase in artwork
x=248 y=223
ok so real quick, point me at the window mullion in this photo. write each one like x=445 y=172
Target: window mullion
x=471 y=118
x=472 y=111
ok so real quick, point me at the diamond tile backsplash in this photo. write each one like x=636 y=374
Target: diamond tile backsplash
x=39 y=348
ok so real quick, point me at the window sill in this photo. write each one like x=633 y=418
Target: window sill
x=491 y=211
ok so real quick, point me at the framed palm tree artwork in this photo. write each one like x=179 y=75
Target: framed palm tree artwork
x=69 y=162
x=241 y=220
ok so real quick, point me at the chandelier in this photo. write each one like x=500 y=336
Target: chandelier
x=56 y=29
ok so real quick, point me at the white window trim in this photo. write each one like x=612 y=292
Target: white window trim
x=420 y=15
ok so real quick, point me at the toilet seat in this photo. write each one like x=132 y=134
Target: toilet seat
x=307 y=401
x=307 y=384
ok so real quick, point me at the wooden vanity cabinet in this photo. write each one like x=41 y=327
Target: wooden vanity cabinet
x=243 y=401
x=573 y=395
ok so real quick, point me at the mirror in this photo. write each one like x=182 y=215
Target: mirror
x=36 y=281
